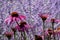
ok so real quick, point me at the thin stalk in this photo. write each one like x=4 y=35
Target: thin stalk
x=9 y=38
x=24 y=35
x=21 y=35
x=15 y=36
x=58 y=36
x=53 y=31
x=49 y=37
x=15 y=32
x=44 y=29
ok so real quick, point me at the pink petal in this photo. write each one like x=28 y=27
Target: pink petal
x=46 y=32
x=14 y=18
x=43 y=37
x=57 y=20
x=45 y=15
x=8 y=20
x=22 y=17
x=17 y=19
x=17 y=28
x=5 y=21
x=27 y=26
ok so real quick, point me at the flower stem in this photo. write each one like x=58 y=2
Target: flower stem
x=58 y=36
x=44 y=29
x=53 y=31
x=16 y=22
x=21 y=35
x=49 y=37
x=9 y=38
x=14 y=35
x=24 y=35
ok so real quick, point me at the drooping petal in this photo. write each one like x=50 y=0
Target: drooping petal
x=17 y=28
x=28 y=26
x=57 y=20
x=22 y=17
x=14 y=18
x=8 y=20
x=17 y=19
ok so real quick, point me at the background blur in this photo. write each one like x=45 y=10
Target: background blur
x=31 y=9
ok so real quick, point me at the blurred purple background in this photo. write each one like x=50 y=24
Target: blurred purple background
x=31 y=9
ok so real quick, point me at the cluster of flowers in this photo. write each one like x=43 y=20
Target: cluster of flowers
x=50 y=31
x=22 y=26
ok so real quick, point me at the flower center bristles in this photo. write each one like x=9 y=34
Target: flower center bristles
x=14 y=14
x=22 y=24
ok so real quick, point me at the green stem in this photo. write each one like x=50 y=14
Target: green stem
x=24 y=35
x=14 y=35
x=44 y=29
x=9 y=38
x=48 y=37
x=58 y=36
x=21 y=35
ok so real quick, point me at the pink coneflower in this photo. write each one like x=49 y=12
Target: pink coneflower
x=50 y=32
x=37 y=37
x=9 y=35
x=23 y=26
x=13 y=29
x=53 y=20
x=44 y=16
x=13 y=17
